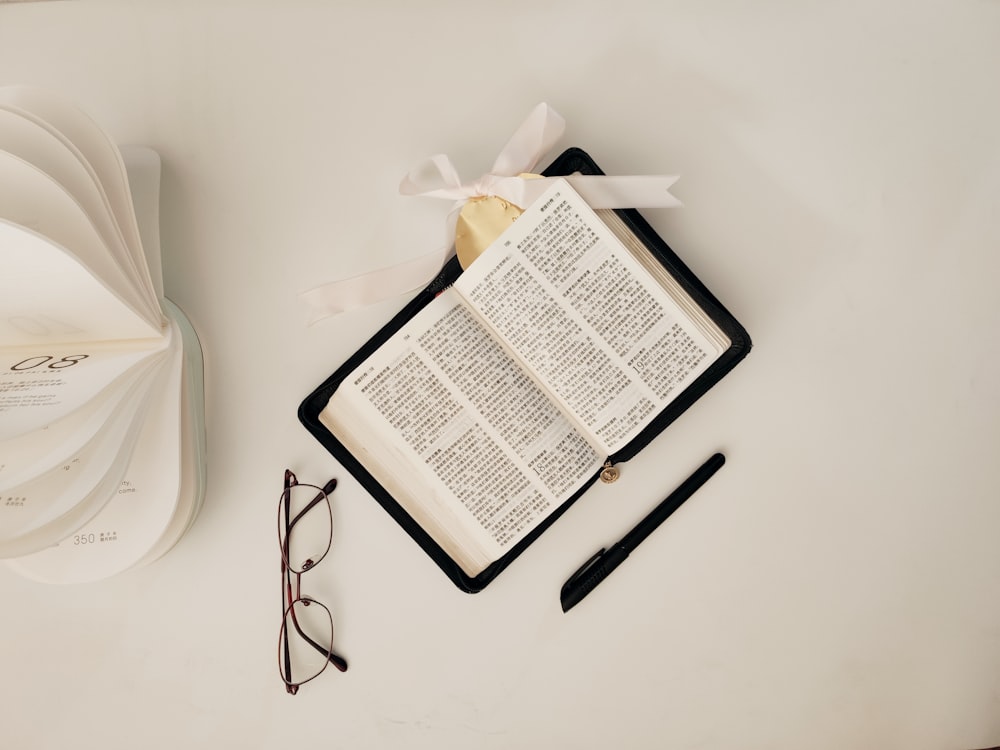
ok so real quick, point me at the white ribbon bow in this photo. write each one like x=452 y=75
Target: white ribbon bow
x=437 y=177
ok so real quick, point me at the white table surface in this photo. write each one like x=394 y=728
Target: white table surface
x=836 y=585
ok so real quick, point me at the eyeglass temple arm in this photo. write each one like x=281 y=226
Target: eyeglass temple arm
x=327 y=489
x=338 y=661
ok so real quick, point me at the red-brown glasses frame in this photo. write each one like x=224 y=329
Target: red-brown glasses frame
x=291 y=594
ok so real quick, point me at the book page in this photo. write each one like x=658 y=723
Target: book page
x=56 y=443
x=33 y=141
x=102 y=159
x=473 y=445
x=33 y=200
x=39 y=386
x=48 y=507
x=596 y=328
x=139 y=507
x=47 y=295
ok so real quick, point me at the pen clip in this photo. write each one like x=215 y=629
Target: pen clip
x=584 y=568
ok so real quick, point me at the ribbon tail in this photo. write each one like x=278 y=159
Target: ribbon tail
x=599 y=191
x=625 y=191
x=359 y=291
x=435 y=176
x=531 y=141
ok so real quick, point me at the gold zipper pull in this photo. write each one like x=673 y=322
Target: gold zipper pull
x=609 y=473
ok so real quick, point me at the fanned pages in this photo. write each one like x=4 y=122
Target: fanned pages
x=152 y=504
x=100 y=395
x=100 y=157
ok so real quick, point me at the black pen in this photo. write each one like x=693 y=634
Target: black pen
x=598 y=567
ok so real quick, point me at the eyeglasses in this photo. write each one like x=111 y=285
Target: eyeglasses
x=305 y=534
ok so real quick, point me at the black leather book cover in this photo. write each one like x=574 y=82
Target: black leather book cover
x=570 y=161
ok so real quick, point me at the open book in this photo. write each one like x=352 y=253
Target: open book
x=559 y=352
x=101 y=464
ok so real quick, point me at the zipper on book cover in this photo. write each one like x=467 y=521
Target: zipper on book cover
x=609 y=472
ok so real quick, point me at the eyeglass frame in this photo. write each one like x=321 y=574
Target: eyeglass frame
x=288 y=600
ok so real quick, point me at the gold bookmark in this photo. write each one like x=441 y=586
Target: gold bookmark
x=481 y=220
